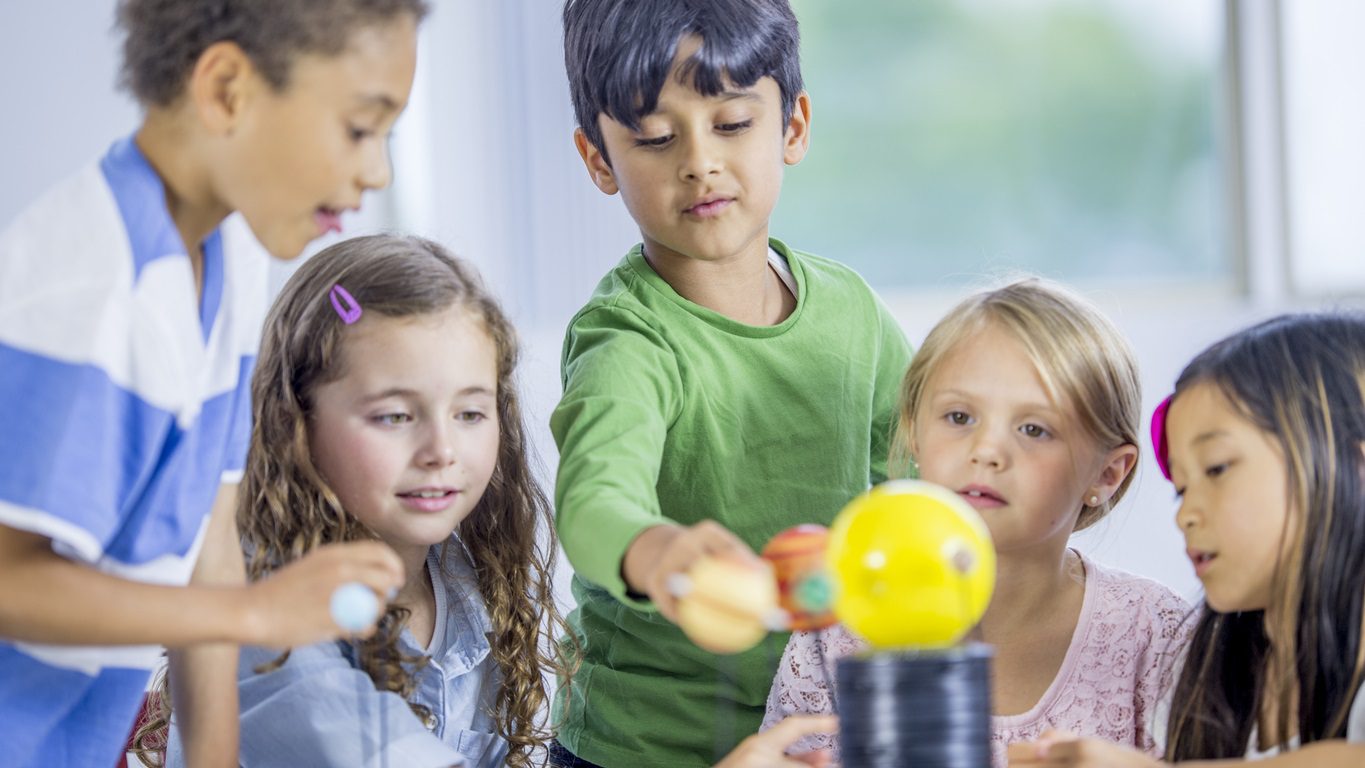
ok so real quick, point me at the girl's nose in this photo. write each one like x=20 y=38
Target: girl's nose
x=986 y=451
x=1185 y=517
x=438 y=450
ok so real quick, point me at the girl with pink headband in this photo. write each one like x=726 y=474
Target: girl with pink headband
x=1264 y=440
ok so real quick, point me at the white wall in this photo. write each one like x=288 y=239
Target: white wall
x=1324 y=126
x=60 y=59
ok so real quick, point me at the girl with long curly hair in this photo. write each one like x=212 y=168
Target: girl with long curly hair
x=385 y=408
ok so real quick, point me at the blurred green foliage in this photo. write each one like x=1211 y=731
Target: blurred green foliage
x=954 y=138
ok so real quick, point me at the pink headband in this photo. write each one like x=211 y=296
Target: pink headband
x=1159 y=437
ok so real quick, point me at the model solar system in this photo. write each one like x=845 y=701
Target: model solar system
x=908 y=567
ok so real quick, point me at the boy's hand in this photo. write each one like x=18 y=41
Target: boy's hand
x=293 y=606
x=1060 y=748
x=769 y=748
x=665 y=550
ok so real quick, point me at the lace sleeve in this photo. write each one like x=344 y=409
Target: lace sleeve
x=1171 y=621
x=805 y=680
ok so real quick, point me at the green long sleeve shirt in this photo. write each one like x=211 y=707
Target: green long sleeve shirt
x=672 y=412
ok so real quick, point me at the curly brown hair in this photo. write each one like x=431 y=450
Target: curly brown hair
x=164 y=38
x=286 y=509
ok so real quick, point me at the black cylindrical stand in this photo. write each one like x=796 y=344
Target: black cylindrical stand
x=916 y=709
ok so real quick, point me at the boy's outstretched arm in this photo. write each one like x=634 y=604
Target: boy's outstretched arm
x=664 y=550
x=52 y=600
x=611 y=429
x=203 y=678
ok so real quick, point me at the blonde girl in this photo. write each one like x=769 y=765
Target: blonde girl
x=1025 y=401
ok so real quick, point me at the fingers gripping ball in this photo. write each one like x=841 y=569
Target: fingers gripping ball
x=726 y=607
x=804 y=590
x=914 y=565
x=354 y=606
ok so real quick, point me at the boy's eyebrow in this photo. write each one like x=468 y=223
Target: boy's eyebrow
x=748 y=94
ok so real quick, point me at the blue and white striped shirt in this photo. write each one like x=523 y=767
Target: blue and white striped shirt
x=124 y=405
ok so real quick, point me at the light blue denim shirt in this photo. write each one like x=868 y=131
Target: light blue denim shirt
x=319 y=709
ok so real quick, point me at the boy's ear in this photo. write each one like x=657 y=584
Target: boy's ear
x=798 y=130
x=220 y=85
x=1119 y=463
x=599 y=170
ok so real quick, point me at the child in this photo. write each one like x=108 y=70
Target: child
x=130 y=307
x=1025 y=401
x=718 y=387
x=1265 y=438
x=402 y=425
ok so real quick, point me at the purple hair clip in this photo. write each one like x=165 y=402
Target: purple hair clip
x=1159 y=437
x=349 y=313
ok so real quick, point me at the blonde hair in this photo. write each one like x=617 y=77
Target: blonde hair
x=1082 y=359
x=286 y=508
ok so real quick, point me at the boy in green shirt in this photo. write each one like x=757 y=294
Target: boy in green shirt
x=719 y=386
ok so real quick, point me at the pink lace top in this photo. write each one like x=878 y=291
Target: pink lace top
x=1122 y=659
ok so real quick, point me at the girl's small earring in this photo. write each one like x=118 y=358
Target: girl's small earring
x=1094 y=500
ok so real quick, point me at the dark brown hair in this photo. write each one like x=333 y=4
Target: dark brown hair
x=619 y=53
x=1301 y=380
x=164 y=38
